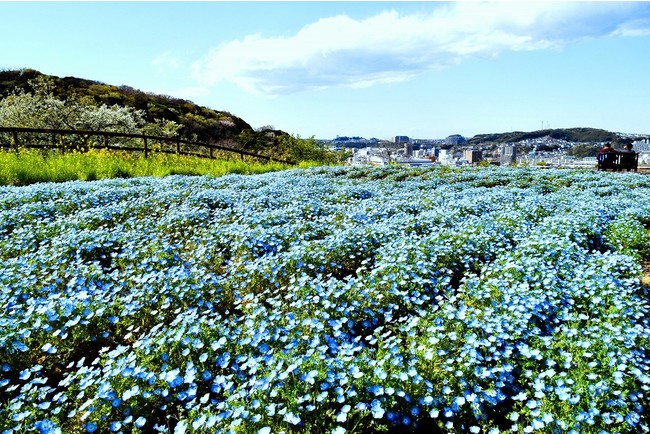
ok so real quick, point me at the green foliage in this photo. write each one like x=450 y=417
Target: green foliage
x=568 y=134
x=196 y=122
x=162 y=128
x=41 y=108
x=581 y=151
x=628 y=235
x=34 y=100
x=299 y=149
x=284 y=146
x=29 y=166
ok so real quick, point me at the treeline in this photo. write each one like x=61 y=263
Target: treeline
x=568 y=134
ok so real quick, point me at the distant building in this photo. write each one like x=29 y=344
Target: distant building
x=644 y=157
x=402 y=139
x=473 y=156
x=508 y=155
x=455 y=139
x=443 y=156
x=641 y=145
x=408 y=149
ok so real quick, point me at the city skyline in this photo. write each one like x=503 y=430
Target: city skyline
x=370 y=69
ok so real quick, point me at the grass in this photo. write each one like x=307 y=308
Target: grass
x=31 y=166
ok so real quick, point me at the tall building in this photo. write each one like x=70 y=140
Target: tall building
x=443 y=156
x=508 y=155
x=402 y=139
x=473 y=156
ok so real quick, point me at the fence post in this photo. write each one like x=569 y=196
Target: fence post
x=146 y=150
x=15 y=135
x=178 y=146
x=211 y=151
x=54 y=144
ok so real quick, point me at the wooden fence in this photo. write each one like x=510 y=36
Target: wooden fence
x=147 y=143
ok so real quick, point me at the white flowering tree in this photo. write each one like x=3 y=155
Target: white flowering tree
x=40 y=108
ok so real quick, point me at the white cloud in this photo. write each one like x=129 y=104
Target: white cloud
x=639 y=27
x=389 y=47
x=166 y=61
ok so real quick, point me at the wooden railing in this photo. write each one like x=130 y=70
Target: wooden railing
x=168 y=145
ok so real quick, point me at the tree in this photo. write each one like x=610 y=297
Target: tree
x=299 y=149
x=583 y=150
x=162 y=128
x=34 y=110
x=42 y=109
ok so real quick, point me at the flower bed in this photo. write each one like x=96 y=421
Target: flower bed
x=327 y=300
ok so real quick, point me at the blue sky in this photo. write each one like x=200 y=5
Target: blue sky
x=372 y=69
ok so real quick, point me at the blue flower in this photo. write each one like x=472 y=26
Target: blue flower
x=180 y=427
x=46 y=426
x=299 y=294
x=292 y=418
x=377 y=410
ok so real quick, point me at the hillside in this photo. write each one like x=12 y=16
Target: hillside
x=197 y=122
x=568 y=134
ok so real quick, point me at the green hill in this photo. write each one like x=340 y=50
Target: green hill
x=196 y=122
x=568 y=134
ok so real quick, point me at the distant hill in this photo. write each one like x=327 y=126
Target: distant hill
x=197 y=122
x=568 y=134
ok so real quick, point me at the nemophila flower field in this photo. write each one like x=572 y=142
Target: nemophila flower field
x=327 y=300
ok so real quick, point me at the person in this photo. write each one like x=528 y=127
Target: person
x=606 y=157
x=629 y=160
x=606 y=149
